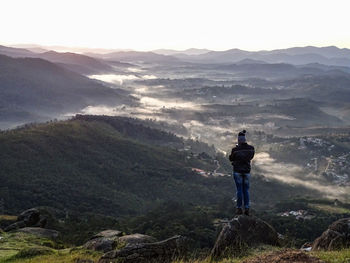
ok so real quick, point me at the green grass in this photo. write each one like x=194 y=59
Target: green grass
x=339 y=256
x=330 y=208
x=23 y=247
x=12 y=244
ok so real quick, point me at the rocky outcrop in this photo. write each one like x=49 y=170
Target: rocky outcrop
x=109 y=233
x=41 y=232
x=337 y=236
x=137 y=238
x=104 y=241
x=163 y=251
x=241 y=232
x=28 y=218
x=101 y=244
x=108 y=240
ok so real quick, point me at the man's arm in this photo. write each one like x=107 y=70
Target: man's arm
x=232 y=156
x=253 y=153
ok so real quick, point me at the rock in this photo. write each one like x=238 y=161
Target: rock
x=104 y=241
x=109 y=233
x=243 y=231
x=28 y=218
x=162 y=252
x=101 y=244
x=108 y=240
x=41 y=232
x=15 y=226
x=337 y=236
x=137 y=238
x=306 y=246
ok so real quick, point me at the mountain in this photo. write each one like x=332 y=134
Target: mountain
x=190 y=51
x=137 y=56
x=79 y=63
x=298 y=55
x=31 y=47
x=15 y=52
x=111 y=166
x=34 y=89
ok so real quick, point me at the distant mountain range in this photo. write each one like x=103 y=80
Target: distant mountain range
x=76 y=62
x=190 y=51
x=296 y=55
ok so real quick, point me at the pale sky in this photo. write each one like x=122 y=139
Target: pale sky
x=176 y=24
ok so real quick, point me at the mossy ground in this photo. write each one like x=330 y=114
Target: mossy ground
x=23 y=247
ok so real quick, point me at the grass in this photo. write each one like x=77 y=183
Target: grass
x=59 y=256
x=338 y=256
x=13 y=244
x=248 y=254
x=8 y=218
x=23 y=247
x=330 y=208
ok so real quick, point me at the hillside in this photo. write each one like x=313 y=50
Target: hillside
x=102 y=165
x=34 y=89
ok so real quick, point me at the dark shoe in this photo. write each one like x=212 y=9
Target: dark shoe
x=239 y=211
x=246 y=211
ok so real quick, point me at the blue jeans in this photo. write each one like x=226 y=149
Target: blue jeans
x=242 y=185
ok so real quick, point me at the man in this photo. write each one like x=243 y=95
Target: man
x=240 y=158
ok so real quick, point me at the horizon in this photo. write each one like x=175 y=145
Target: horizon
x=156 y=24
x=75 y=49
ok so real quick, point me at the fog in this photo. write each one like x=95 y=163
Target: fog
x=292 y=174
x=120 y=79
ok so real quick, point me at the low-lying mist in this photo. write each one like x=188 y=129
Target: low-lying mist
x=295 y=175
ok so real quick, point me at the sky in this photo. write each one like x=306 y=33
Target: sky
x=176 y=24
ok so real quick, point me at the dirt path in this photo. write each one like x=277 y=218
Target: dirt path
x=285 y=256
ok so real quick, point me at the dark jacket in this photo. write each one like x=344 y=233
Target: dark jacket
x=241 y=156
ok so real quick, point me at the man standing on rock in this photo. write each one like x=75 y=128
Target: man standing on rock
x=240 y=158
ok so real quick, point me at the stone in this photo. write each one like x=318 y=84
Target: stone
x=28 y=218
x=241 y=232
x=337 y=236
x=101 y=244
x=109 y=233
x=137 y=238
x=104 y=241
x=163 y=252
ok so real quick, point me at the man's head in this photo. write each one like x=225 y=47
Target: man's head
x=241 y=137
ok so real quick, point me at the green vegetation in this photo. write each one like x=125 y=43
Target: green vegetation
x=341 y=256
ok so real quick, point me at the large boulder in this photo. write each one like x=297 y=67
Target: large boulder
x=41 y=232
x=101 y=244
x=337 y=236
x=163 y=252
x=104 y=241
x=28 y=218
x=137 y=238
x=109 y=233
x=241 y=232
x=108 y=240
